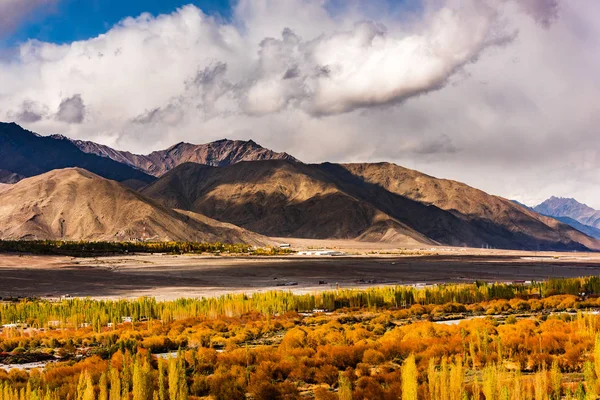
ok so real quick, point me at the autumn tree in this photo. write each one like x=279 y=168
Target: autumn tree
x=409 y=379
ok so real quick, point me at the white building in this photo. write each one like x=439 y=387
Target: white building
x=321 y=253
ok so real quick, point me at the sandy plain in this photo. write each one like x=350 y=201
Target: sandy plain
x=175 y=276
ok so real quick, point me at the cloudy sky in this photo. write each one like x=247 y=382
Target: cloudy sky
x=501 y=94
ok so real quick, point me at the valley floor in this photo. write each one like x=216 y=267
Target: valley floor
x=168 y=276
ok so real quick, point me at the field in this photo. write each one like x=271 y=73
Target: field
x=377 y=323
x=173 y=276
x=451 y=342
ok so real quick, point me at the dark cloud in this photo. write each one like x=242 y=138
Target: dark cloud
x=170 y=114
x=292 y=72
x=30 y=112
x=209 y=75
x=544 y=12
x=71 y=110
x=147 y=117
x=440 y=145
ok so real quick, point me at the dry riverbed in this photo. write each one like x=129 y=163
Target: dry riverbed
x=169 y=276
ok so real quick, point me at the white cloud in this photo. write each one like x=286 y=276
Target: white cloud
x=500 y=94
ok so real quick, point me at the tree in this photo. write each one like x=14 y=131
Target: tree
x=178 y=389
x=345 y=388
x=115 y=384
x=556 y=381
x=141 y=380
x=162 y=392
x=409 y=379
x=103 y=387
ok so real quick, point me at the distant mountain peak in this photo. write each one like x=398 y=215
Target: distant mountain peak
x=219 y=153
x=59 y=136
x=571 y=208
x=557 y=203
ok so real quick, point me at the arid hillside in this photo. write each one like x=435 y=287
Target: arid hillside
x=370 y=202
x=219 y=153
x=278 y=198
x=25 y=154
x=74 y=204
x=492 y=214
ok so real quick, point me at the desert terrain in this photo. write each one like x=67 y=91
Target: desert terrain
x=173 y=276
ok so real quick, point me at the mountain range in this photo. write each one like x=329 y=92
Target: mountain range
x=220 y=153
x=25 y=154
x=239 y=191
x=571 y=212
x=371 y=202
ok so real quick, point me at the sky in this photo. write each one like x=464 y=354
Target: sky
x=499 y=94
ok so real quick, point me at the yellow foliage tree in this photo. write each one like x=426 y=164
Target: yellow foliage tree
x=409 y=379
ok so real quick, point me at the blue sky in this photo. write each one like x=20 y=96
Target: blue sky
x=71 y=20
x=65 y=21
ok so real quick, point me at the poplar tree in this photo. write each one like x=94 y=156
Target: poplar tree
x=555 y=380
x=88 y=394
x=103 y=387
x=115 y=384
x=590 y=381
x=126 y=376
x=456 y=380
x=162 y=392
x=141 y=387
x=409 y=379
x=178 y=389
x=433 y=380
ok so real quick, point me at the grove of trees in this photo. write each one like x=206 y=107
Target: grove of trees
x=539 y=341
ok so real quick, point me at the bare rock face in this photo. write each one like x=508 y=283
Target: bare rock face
x=74 y=204
x=370 y=202
x=220 y=153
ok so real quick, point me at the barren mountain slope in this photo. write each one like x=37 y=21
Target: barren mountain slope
x=588 y=230
x=282 y=198
x=473 y=205
x=74 y=204
x=565 y=207
x=277 y=198
x=219 y=153
x=24 y=153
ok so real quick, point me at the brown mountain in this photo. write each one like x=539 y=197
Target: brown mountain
x=565 y=207
x=24 y=153
x=74 y=204
x=370 y=202
x=278 y=198
x=220 y=153
x=497 y=219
